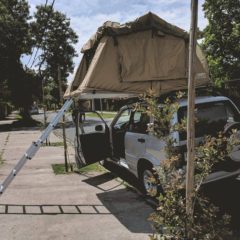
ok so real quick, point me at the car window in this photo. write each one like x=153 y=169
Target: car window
x=210 y=117
x=123 y=119
x=89 y=122
x=139 y=123
x=137 y=116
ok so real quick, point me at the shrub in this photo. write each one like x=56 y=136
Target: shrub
x=170 y=219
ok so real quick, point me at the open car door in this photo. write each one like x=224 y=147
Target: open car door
x=92 y=142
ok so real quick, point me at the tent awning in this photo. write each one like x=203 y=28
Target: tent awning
x=148 y=53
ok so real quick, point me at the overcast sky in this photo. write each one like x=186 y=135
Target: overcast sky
x=87 y=15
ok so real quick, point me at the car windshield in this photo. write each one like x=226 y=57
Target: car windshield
x=210 y=117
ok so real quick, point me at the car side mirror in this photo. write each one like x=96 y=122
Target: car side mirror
x=99 y=128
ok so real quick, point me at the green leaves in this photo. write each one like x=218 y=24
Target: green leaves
x=55 y=38
x=162 y=114
x=170 y=219
x=221 y=39
x=15 y=40
x=50 y=32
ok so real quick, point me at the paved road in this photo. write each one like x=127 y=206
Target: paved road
x=89 y=124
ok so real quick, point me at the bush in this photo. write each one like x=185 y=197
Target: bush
x=170 y=219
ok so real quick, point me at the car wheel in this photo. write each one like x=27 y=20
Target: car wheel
x=149 y=181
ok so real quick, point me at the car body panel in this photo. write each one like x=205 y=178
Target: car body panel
x=134 y=150
x=152 y=149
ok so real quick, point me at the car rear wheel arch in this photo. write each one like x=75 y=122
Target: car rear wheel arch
x=143 y=163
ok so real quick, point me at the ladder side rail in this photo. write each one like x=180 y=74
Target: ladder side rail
x=32 y=150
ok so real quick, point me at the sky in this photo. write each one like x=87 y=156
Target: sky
x=87 y=15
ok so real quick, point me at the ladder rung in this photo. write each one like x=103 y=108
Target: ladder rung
x=35 y=144
x=40 y=141
x=27 y=156
x=14 y=172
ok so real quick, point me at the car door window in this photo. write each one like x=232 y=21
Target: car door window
x=139 y=122
x=90 y=122
x=123 y=120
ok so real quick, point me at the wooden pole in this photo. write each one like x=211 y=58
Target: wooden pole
x=190 y=113
x=44 y=109
x=101 y=105
x=63 y=119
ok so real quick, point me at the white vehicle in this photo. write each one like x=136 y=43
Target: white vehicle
x=34 y=110
x=127 y=140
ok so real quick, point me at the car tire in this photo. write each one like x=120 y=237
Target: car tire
x=149 y=180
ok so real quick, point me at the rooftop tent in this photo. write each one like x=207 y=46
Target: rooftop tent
x=126 y=59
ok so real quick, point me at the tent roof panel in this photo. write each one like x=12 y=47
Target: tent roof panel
x=143 y=23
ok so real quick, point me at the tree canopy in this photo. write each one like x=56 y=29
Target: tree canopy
x=15 y=39
x=54 y=36
x=222 y=38
x=47 y=32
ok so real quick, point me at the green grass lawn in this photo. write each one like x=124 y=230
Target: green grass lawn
x=18 y=117
x=2 y=150
x=1 y=160
x=53 y=144
x=104 y=115
x=60 y=169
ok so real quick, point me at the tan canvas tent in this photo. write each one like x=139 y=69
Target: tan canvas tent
x=148 y=53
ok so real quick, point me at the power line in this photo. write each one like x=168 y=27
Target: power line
x=45 y=27
x=33 y=49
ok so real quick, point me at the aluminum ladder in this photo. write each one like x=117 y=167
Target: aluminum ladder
x=32 y=150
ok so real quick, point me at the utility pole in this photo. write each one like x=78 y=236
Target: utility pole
x=63 y=119
x=190 y=114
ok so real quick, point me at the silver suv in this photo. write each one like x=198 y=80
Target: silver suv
x=127 y=141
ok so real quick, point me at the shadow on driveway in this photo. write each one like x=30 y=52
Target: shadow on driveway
x=115 y=172
x=97 y=181
x=52 y=209
x=226 y=195
x=129 y=179
x=130 y=209
x=124 y=174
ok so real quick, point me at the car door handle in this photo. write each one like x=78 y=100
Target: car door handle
x=141 y=140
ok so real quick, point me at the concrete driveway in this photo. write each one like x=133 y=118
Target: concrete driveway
x=41 y=205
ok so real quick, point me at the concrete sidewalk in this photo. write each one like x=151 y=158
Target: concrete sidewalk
x=41 y=205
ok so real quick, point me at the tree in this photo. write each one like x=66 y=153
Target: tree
x=55 y=38
x=51 y=33
x=222 y=38
x=15 y=40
